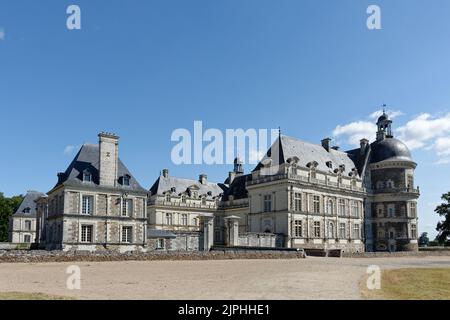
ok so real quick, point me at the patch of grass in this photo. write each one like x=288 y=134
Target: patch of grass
x=411 y=284
x=29 y=296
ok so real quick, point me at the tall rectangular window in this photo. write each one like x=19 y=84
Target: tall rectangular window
x=412 y=209
x=341 y=207
x=297 y=201
x=298 y=230
x=355 y=209
x=86 y=233
x=317 y=229
x=87 y=205
x=356 y=231
x=127 y=207
x=342 y=231
x=316 y=204
x=127 y=234
x=27 y=224
x=169 y=219
x=267 y=203
x=184 y=219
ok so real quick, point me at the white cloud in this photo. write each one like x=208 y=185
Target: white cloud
x=426 y=132
x=68 y=150
x=2 y=34
x=355 y=131
x=429 y=133
x=391 y=113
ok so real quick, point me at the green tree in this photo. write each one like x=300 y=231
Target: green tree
x=7 y=207
x=443 y=227
x=424 y=240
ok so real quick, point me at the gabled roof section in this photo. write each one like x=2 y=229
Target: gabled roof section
x=306 y=153
x=28 y=206
x=87 y=159
x=180 y=185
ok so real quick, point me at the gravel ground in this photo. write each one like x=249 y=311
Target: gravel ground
x=311 y=278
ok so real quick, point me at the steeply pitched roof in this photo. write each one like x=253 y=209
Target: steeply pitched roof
x=307 y=152
x=238 y=187
x=163 y=184
x=88 y=159
x=28 y=203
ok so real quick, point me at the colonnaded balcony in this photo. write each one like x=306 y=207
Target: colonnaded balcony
x=397 y=190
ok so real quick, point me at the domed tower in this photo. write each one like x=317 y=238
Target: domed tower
x=392 y=203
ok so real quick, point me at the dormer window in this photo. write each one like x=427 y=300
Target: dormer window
x=87 y=176
x=126 y=180
x=27 y=210
x=329 y=164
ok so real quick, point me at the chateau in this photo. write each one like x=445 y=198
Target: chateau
x=300 y=195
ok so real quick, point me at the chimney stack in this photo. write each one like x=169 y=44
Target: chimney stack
x=165 y=173
x=109 y=158
x=202 y=178
x=326 y=144
x=363 y=145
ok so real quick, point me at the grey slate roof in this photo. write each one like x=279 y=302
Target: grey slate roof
x=389 y=149
x=88 y=158
x=164 y=184
x=238 y=187
x=307 y=152
x=28 y=202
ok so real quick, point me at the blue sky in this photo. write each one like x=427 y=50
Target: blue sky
x=142 y=69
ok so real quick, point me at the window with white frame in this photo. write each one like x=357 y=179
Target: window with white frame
x=160 y=244
x=356 y=231
x=355 y=209
x=183 y=198
x=297 y=201
x=330 y=206
x=298 y=230
x=342 y=231
x=86 y=233
x=87 y=205
x=195 y=220
x=412 y=209
x=331 y=230
x=184 y=219
x=169 y=218
x=87 y=176
x=27 y=238
x=27 y=224
x=267 y=203
x=391 y=210
x=127 y=234
x=316 y=204
x=168 y=197
x=341 y=207
x=127 y=207
x=317 y=229
x=204 y=201
x=410 y=182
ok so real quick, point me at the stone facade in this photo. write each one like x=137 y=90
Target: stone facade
x=300 y=195
x=96 y=205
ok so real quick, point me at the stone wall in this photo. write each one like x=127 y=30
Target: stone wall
x=60 y=256
x=252 y=239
